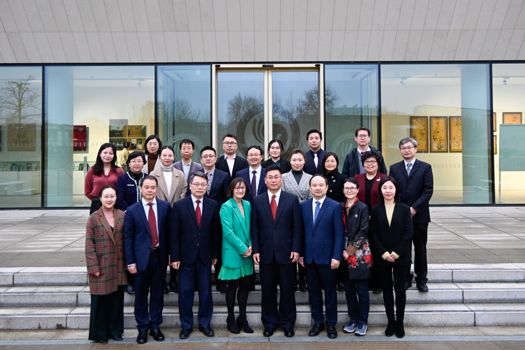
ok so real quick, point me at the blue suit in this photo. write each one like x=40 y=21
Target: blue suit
x=274 y=241
x=219 y=186
x=323 y=241
x=151 y=263
x=195 y=246
x=246 y=174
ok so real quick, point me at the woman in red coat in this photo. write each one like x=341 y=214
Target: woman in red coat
x=369 y=181
x=106 y=269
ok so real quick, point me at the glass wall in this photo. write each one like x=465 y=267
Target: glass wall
x=87 y=106
x=20 y=136
x=351 y=101
x=446 y=108
x=184 y=101
x=508 y=87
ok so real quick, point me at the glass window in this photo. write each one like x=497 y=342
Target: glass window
x=20 y=136
x=87 y=106
x=184 y=100
x=508 y=86
x=445 y=107
x=351 y=101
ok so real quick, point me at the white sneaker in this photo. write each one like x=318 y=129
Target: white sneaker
x=361 y=329
x=350 y=327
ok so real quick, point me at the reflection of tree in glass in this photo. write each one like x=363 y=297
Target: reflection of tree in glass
x=18 y=102
x=241 y=107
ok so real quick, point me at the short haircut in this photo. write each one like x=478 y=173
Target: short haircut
x=148 y=139
x=198 y=174
x=255 y=147
x=234 y=184
x=407 y=140
x=229 y=135
x=362 y=129
x=330 y=154
x=279 y=142
x=208 y=148
x=272 y=168
x=318 y=175
x=186 y=141
x=385 y=180
x=351 y=180
x=136 y=154
x=149 y=177
x=370 y=154
x=167 y=147
x=314 y=131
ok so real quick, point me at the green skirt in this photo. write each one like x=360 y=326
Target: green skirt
x=228 y=273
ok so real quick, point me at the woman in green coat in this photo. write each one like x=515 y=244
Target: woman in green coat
x=237 y=264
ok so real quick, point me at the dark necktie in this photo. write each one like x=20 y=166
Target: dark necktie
x=198 y=213
x=273 y=206
x=254 y=183
x=153 y=226
x=409 y=167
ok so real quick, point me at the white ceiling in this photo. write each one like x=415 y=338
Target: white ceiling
x=114 y=31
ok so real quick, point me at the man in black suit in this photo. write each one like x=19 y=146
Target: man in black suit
x=415 y=186
x=315 y=155
x=230 y=162
x=254 y=174
x=195 y=231
x=277 y=240
x=218 y=182
x=146 y=246
x=353 y=164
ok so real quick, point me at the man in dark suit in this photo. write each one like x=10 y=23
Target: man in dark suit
x=218 y=182
x=195 y=230
x=277 y=240
x=186 y=164
x=254 y=174
x=230 y=162
x=146 y=246
x=415 y=185
x=323 y=249
x=353 y=164
x=314 y=157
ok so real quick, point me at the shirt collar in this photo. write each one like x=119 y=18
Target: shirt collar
x=145 y=202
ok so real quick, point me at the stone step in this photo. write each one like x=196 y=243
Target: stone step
x=441 y=273
x=422 y=315
x=439 y=293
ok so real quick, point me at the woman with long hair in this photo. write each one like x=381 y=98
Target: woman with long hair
x=334 y=177
x=105 y=172
x=275 y=151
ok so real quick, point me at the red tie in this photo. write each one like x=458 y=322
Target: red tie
x=198 y=213
x=273 y=205
x=153 y=226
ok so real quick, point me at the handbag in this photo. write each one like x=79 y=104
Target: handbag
x=360 y=263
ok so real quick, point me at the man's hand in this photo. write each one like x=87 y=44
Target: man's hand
x=334 y=264
x=294 y=257
x=413 y=211
x=301 y=261
x=256 y=258
x=175 y=265
x=214 y=261
x=132 y=269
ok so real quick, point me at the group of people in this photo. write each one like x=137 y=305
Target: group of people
x=308 y=227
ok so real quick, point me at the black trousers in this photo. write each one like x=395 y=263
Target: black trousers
x=106 y=317
x=393 y=278
x=274 y=274
x=419 y=240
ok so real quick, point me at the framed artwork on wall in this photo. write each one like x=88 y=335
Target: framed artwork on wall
x=511 y=117
x=80 y=138
x=455 y=134
x=439 y=134
x=419 y=131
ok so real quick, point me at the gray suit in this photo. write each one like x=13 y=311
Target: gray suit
x=301 y=190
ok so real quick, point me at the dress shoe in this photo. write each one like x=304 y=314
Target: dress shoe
x=116 y=337
x=390 y=328
x=289 y=333
x=142 y=337
x=207 y=331
x=232 y=325
x=100 y=341
x=173 y=287
x=422 y=287
x=268 y=332
x=331 y=332
x=157 y=335
x=184 y=333
x=315 y=330
x=130 y=290
x=242 y=323
x=400 y=330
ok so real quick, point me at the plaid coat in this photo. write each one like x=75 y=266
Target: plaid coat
x=105 y=253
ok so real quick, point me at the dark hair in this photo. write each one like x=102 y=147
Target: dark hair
x=279 y=142
x=229 y=135
x=234 y=184
x=208 y=148
x=186 y=141
x=382 y=182
x=318 y=175
x=272 y=168
x=362 y=129
x=312 y=131
x=255 y=147
x=166 y=147
x=148 y=139
x=149 y=177
x=106 y=187
x=198 y=174
x=351 y=180
x=330 y=154
x=98 y=168
x=370 y=154
x=136 y=154
x=298 y=151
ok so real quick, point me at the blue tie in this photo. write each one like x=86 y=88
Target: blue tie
x=317 y=209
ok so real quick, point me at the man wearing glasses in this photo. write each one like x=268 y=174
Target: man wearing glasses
x=230 y=162
x=353 y=164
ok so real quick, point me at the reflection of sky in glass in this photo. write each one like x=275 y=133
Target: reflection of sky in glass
x=231 y=84
x=290 y=87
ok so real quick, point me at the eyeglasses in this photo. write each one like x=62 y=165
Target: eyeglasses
x=229 y=143
x=136 y=161
x=350 y=188
x=199 y=184
x=273 y=177
x=206 y=156
x=406 y=148
x=370 y=162
x=362 y=136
